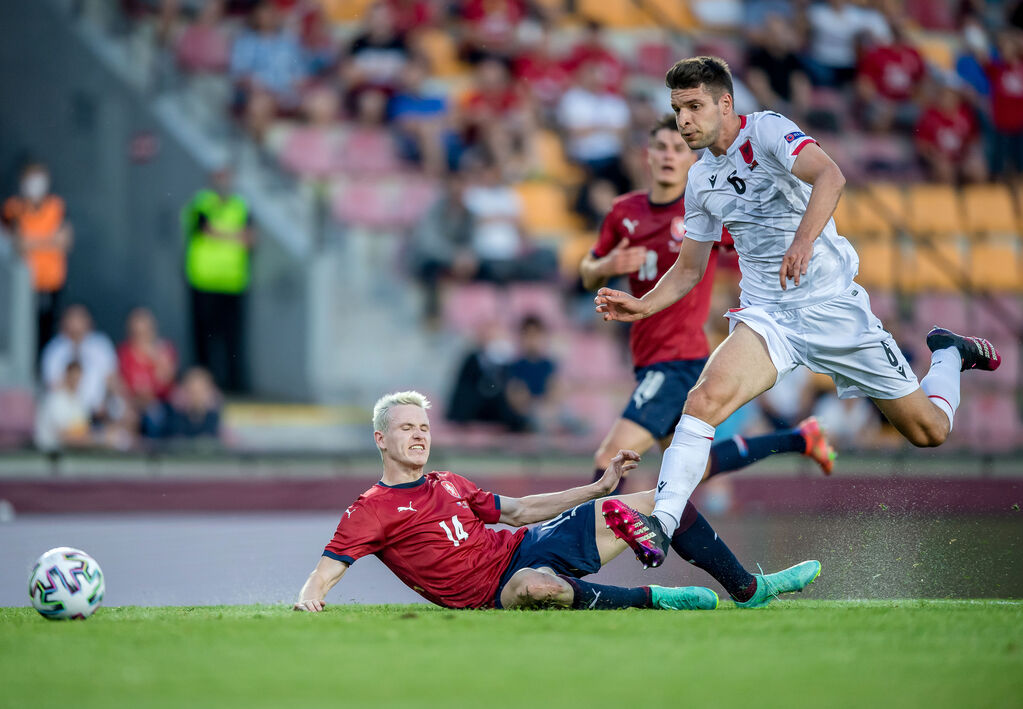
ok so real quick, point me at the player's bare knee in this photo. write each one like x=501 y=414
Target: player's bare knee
x=705 y=401
x=543 y=589
x=931 y=434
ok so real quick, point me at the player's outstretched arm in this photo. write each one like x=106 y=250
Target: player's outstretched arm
x=518 y=511
x=814 y=167
x=686 y=272
x=323 y=578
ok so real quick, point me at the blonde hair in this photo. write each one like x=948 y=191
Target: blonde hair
x=382 y=409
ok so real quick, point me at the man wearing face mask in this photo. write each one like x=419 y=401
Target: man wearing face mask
x=42 y=235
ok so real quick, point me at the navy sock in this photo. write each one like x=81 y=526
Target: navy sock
x=598 y=473
x=697 y=542
x=738 y=452
x=594 y=596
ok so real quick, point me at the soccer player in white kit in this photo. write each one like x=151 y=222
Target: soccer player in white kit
x=775 y=190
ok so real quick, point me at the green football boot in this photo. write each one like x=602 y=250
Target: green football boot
x=683 y=598
x=794 y=578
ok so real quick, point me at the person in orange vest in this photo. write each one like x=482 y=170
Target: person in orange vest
x=37 y=221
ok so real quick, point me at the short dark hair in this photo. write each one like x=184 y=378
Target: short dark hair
x=665 y=121
x=532 y=321
x=710 y=72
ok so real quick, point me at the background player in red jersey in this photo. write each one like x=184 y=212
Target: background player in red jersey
x=641 y=237
x=430 y=530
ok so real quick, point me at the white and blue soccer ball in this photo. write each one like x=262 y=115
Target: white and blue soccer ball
x=66 y=583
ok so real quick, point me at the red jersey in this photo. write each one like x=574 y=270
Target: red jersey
x=677 y=331
x=1006 y=96
x=894 y=70
x=948 y=133
x=432 y=534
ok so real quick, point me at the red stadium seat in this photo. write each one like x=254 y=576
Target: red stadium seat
x=467 y=307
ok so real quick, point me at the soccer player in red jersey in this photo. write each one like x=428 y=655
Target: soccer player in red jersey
x=430 y=530
x=641 y=237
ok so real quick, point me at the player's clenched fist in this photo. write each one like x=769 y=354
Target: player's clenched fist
x=624 y=259
x=619 y=305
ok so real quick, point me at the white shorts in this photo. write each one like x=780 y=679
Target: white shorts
x=840 y=337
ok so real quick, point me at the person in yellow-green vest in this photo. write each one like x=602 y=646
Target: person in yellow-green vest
x=219 y=238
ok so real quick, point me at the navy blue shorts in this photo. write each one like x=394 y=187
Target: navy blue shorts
x=567 y=544
x=660 y=394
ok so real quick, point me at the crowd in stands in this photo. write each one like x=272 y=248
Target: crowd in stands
x=129 y=397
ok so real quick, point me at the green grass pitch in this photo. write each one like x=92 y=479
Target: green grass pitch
x=792 y=654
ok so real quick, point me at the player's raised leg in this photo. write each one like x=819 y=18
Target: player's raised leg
x=740 y=369
x=697 y=542
x=925 y=416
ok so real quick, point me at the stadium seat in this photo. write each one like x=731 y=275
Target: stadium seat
x=991 y=421
x=883 y=202
x=622 y=14
x=988 y=209
x=595 y=359
x=537 y=299
x=553 y=163
x=934 y=266
x=17 y=417
x=571 y=253
x=877 y=263
x=467 y=307
x=345 y=11
x=934 y=210
x=545 y=210
x=440 y=50
x=937 y=50
x=995 y=264
x=675 y=13
x=947 y=310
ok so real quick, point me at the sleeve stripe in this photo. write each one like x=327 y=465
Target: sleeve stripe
x=802 y=145
x=338 y=557
x=497 y=502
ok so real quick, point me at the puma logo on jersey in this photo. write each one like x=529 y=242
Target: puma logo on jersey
x=630 y=224
x=410 y=508
x=713 y=179
x=348 y=512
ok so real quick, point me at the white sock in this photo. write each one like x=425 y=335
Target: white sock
x=941 y=385
x=682 y=469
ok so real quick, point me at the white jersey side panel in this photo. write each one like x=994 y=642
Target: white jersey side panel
x=751 y=190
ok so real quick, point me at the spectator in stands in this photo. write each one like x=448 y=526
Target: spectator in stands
x=776 y=74
x=594 y=122
x=889 y=82
x=62 y=418
x=495 y=118
x=148 y=366
x=544 y=74
x=368 y=147
x=496 y=234
x=480 y=393
x=423 y=122
x=196 y=406
x=834 y=27
x=532 y=379
x=490 y=28
x=440 y=246
x=219 y=236
x=94 y=352
x=317 y=37
x=852 y=424
x=378 y=55
x=593 y=48
x=1005 y=72
x=268 y=66
x=948 y=138
x=37 y=221
x=204 y=45
x=790 y=400
x=409 y=15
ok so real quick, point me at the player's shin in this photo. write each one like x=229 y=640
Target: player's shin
x=942 y=381
x=697 y=542
x=595 y=596
x=682 y=469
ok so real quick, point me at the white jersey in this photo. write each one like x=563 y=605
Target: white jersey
x=751 y=190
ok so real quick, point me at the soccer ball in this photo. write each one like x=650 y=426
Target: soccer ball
x=66 y=583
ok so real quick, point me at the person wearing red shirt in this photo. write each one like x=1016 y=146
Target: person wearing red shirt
x=490 y=28
x=593 y=50
x=148 y=365
x=641 y=238
x=431 y=530
x=948 y=138
x=888 y=78
x=1006 y=76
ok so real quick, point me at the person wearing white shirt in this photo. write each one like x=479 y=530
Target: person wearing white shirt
x=78 y=342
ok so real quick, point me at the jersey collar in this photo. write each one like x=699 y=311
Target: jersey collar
x=414 y=483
